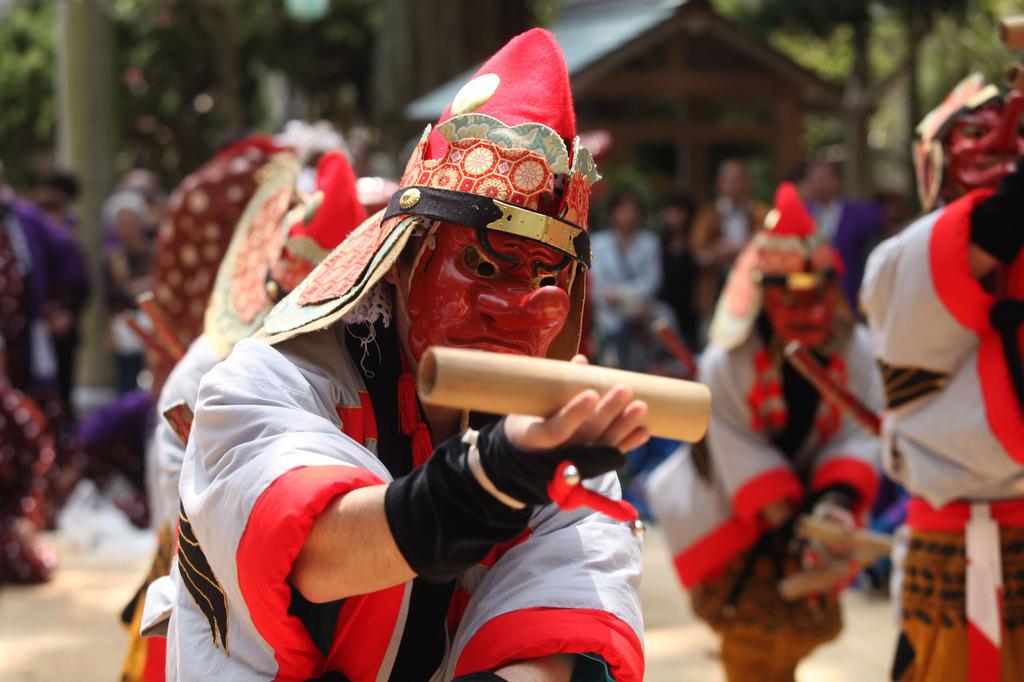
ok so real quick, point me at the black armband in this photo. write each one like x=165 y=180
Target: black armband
x=996 y=223
x=525 y=475
x=443 y=520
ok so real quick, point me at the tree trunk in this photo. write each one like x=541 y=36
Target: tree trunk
x=85 y=145
x=915 y=29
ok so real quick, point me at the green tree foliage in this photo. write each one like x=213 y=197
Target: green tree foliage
x=26 y=83
x=191 y=71
x=189 y=74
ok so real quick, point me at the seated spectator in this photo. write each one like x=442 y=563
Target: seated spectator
x=679 y=268
x=853 y=227
x=721 y=229
x=127 y=270
x=626 y=276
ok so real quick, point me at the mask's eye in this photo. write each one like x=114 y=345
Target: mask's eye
x=972 y=131
x=476 y=262
x=548 y=281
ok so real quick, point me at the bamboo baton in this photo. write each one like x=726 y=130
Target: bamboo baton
x=805 y=363
x=1011 y=32
x=499 y=383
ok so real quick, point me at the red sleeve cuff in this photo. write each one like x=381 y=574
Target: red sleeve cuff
x=278 y=526
x=534 y=633
x=703 y=559
x=961 y=294
x=850 y=471
x=771 y=486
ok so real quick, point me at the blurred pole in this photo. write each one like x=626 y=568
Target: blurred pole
x=85 y=145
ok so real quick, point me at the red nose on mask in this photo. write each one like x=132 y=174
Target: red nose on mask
x=1004 y=137
x=539 y=309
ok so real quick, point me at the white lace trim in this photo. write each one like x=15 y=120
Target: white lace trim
x=375 y=305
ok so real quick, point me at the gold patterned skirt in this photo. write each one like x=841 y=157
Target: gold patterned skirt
x=764 y=636
x=933 y=641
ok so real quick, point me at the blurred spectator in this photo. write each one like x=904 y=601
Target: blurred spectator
x=679 y=268
x=853 y=227
x=38 y=263
x=127 y=272
x=626 y=276
x=721 y=229
x=55 y=194
x=897 y=212
x=146 y=184
x=114 y=440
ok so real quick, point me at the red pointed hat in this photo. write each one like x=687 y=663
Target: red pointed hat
x=335 y=209
x=526 y=81
x=504 y=157
x=789 y=251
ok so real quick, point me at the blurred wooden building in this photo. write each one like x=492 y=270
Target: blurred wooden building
x=678 y=86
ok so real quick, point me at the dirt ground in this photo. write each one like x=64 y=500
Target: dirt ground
x=69 y=629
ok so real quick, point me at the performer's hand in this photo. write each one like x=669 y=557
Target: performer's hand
x=615 y=419
x=777 y=513
x=520 y=454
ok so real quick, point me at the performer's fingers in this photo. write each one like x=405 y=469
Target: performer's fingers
x=634 y=440
x=611 y=405
x=628 y=421
x=559 y=428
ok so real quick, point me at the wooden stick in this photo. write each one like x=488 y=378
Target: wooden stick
x=1011 y=32
x=674 y=345
x=868 y=544
x=149 y=341
x=499 y=383
x=814 y=581
x=147 y=303
x=1015 y=77
x=811 y=369
x=179 y=417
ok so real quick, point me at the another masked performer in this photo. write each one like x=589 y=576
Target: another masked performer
x=774 y=449
x=969 y=141
x=27 y=453
x=945 y=302
x=333 y=528
x=194 y=235
x=39 y=264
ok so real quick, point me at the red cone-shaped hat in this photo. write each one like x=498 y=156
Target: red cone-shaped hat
x=339 y=211
x=526 y=81
x=790 y=218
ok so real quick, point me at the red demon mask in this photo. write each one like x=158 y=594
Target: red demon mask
x=984 y=144
x=788 y=272
x=970 y=140
x=804 y=315
x=489 y=291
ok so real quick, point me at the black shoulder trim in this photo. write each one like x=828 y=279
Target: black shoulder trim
x=201 y=583
x=906 y=384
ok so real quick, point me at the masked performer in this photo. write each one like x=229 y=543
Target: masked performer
x=774 y=448
x=27 y=452
x=969 y=141
x=194 y=235
x=944 y=302
x=322 y=533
